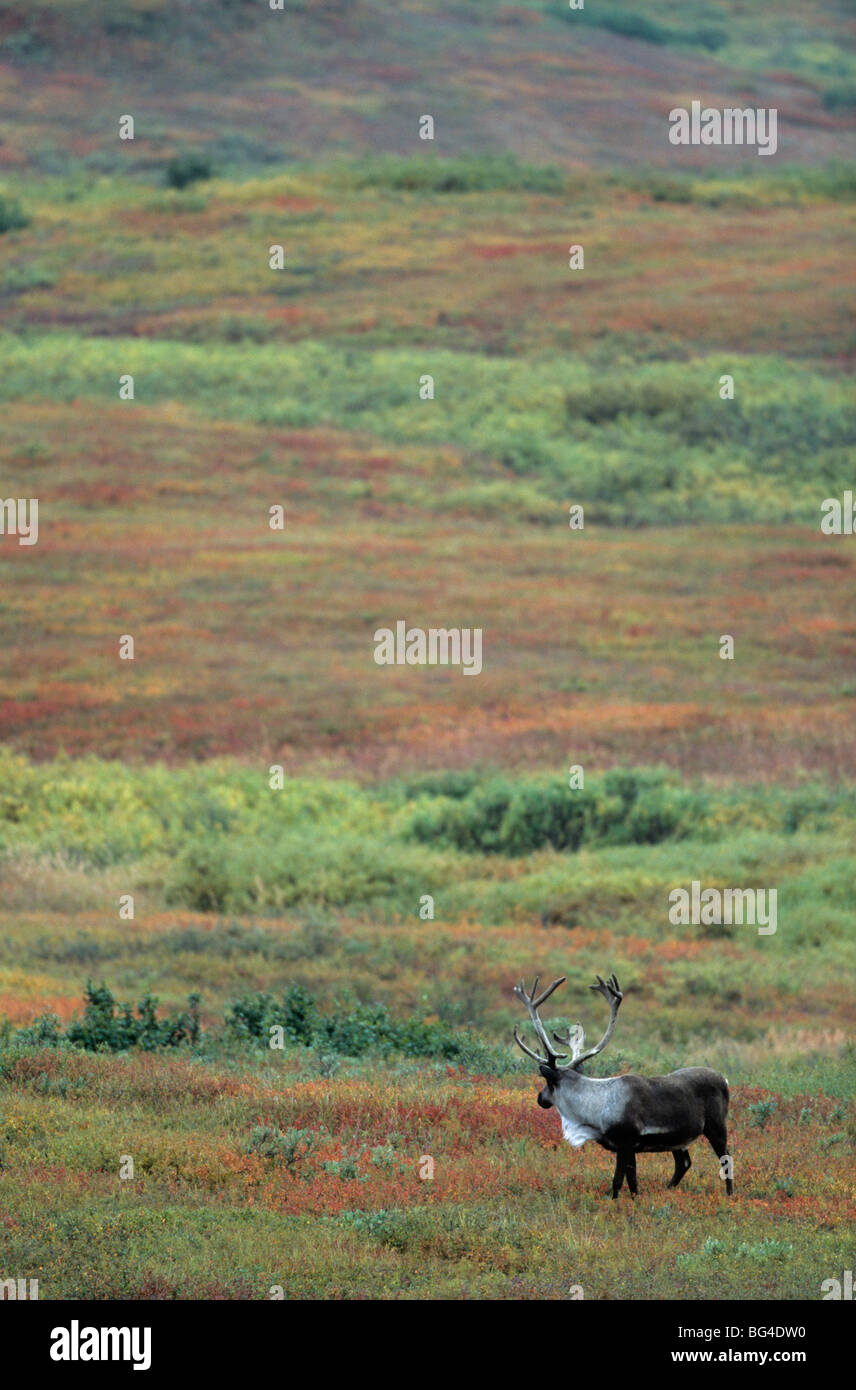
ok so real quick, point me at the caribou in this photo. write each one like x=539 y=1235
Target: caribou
x=628 y=1114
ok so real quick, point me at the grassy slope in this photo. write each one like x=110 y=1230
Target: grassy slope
x=346 y=76
x=253 y=389
x=260 y=643
x=674 y=267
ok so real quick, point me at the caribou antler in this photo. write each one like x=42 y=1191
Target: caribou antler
x=533 y=1004
x=611 y=991
x=574 y=1039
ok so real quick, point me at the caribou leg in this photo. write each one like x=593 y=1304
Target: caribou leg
x=683 y=1163
x=625 y=1167
x=630 y=1169
x=716 y=1136
x=618 y=1176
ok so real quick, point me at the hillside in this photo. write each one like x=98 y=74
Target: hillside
x=277 y=296
x=324 y=77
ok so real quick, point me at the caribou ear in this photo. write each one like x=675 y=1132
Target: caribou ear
x=549 y=1073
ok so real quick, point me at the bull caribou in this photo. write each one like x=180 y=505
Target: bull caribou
x=629 y=1114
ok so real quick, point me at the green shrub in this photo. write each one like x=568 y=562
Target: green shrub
x=288 y=1146
x=761 y=1112
x=200 y=878
x=300 y=1016
x=709 y=37
x=393 y=1228
x=21 y=279
x=671 y=190
x=350 y=1028
x=606 y=400
x=628 y=23
x=184 y=169
x=248 y=1016
x=766 y=1249
x=255 y=1014
x=543 y=815
x=517 y=817
x=103 y=1029
x=840 y=98
x=452 y=783
x=464 y=174
x=214 y=873
x=12 y=215
x=810 y=807
x=44 y=1031
x=618 y=19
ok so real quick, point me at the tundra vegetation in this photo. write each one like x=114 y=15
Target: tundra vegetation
x=298 y=908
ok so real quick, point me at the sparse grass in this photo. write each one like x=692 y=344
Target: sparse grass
x=329 y=1133
x=253 y=1176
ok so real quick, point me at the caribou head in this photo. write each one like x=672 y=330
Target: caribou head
x=574 y=1039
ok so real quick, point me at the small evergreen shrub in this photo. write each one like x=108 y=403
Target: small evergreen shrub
x=184 y=169
x=351 y=1028
x=504 y=816
x=12 y=215
x=110 y=1027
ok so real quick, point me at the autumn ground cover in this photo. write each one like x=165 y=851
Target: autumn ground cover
x=507 y=1214
x=390 y=500
x=304 y=1168
x=216 y=1209
x=344 y=76
x=259 y=643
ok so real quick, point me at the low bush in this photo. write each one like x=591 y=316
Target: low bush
x=465 y=174
x=518 y=817
x=286 y=1146
x=351 y=1028
x=108 y=1026
x=12 y=215
x=215 y=874
x=184 y=169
